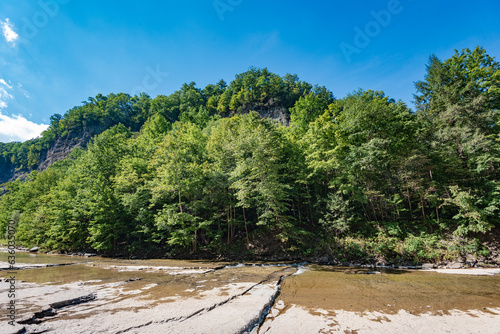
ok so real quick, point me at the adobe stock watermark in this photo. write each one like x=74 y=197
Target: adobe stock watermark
x=31 y=25
x=11 y=259
x=372 y=29
x=223 y=6
x=151 y=81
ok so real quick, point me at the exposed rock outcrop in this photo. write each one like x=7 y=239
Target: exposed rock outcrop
x=279 y=114
x=269 y=110
x=58 y=150
x=8 y=172
x=63 y=146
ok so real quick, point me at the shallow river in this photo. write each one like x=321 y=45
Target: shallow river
x=64 y=294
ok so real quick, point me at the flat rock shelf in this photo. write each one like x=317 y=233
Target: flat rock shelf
x=96 y=295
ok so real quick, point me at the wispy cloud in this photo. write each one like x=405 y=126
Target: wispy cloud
x=25 y=93
x=8 y=31
x=18 y=128
x=4 y=94
x=3 y=82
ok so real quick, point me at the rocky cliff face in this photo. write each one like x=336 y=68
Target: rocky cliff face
x=274 y=112
x=279 y=114
x=7 y=173
x=63 y=145
x=57 y=151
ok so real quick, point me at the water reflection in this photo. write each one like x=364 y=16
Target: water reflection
x=389 y=290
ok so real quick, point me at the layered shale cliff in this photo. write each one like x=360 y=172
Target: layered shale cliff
x=58 y=150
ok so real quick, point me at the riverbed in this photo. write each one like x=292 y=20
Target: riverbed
x=64 y=294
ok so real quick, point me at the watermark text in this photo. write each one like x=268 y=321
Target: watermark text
x=373 y=28
x=223 y=6
x=31 y=26
x=11 y=292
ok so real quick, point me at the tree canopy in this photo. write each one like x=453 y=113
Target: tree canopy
x=200 y=171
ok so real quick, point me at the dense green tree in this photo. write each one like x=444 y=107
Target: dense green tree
x=307 y=109
x=247 y=149
x=458 y=104
x=180 y=174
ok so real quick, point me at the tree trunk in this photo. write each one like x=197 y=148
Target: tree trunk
x=462 y=156
x=422 y=205
x=195 y=240
x=310 y=206
x=228 y=225
x=180 y=203
x=409 y=201
x=246 y=229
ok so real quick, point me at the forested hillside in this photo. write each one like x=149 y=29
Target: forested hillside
x=272 y=166
x=256 y=89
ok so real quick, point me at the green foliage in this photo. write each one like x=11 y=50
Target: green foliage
x=338 y=216
x=307 y=109
x=470 y=217
x=259 y=89
x=459 y=107
x=200 y=172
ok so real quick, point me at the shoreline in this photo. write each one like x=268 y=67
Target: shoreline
x=449 y=266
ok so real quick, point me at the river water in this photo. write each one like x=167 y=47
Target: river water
x=172 y=296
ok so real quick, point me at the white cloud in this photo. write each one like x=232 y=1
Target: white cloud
x=2 y=81
x=4 y=94
x=8 y=31
x=15 y=128
x=18 y=128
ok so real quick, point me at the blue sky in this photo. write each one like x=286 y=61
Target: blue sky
x=56 y=53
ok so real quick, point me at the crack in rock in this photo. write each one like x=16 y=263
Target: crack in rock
x=51 y=311
x=25 y=331
x=210 y=308
x=198 y=312
x=257 y=323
